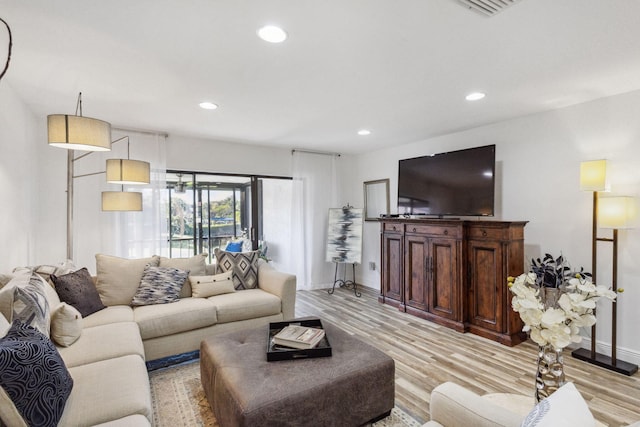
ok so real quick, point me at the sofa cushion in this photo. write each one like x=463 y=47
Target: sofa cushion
x=166 y=319
x=24 y=298
x=111 y=314
x=208 y=286
x=159 y=285
x=136 y=420
x=243 y=265
x=33 y=376
x=565 y=407
x=117 y=279
x=108 y=390
x=104 y=342
x=66 y=325
x=78 y=290
x=196 y=266
x=245 y=305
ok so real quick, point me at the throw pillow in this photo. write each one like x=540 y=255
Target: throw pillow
x=35 y=381
x=118 y=278
x=66 y=325
x=564 y=408
x=4 y=326
x=5 y=278
x=159 y=285
x=46 y=270
x=208 y=286
x=234 y=246
x=78 y=290
x=196 y=266
x=24 y=298
x=242 y=265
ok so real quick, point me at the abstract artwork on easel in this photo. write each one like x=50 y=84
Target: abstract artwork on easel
x=344 y=239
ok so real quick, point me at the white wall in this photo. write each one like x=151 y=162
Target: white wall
x=537 y=180
x=19 y=170
x=194 y=154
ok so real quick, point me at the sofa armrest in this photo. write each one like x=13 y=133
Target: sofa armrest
x=281 y=284
x=452 y=405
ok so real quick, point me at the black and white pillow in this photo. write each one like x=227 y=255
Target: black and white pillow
x=243 y=265
x=564 y=407
x=159 y=285
x=35 y=381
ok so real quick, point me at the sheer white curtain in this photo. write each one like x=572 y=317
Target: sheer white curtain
x=124 y=234
x=314 y=193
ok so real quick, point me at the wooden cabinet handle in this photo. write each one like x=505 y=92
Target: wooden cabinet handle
x=446 y=232
x=394 y=228
x=414 y=229
x=484 y=233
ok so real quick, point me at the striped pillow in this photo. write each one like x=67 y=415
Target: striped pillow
x=159 y=285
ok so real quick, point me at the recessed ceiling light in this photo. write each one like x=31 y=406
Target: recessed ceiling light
x=208 y=105
x=475 y=96
x=272 y=34
x=364 y=132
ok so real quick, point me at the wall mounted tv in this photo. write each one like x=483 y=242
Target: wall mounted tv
x=453 y=183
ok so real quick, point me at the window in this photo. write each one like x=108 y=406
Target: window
x=208 y=210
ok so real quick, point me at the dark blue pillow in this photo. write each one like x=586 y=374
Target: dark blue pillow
x=234 y=247
x=34 y=375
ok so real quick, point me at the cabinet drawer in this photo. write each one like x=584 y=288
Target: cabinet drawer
x=434 y=230
x=479 y=232
x=392 y=227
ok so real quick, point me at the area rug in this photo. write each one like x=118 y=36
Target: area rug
x=179 y=400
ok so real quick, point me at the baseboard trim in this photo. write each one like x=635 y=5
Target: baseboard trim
x=625 y=354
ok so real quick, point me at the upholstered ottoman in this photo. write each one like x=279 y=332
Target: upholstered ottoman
x=352 y=387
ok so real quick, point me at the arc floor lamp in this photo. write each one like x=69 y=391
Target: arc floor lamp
x=614 y=213
x=76 y=132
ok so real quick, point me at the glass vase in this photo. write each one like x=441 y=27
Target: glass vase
x=550 y=374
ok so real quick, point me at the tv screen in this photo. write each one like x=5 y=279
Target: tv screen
x=453 y=183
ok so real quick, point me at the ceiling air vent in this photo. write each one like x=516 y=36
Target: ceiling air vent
x=488 y=7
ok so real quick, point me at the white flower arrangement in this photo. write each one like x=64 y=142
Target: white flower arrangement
x=558 y=324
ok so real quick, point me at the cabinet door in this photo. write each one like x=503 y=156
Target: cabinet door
x=486 y=287
x=415 y=286
x=392 y=266
x=444 y=299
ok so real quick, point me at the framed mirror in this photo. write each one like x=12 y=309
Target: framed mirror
x=376 y=199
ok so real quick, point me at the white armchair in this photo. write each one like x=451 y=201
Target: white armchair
x=454 y=406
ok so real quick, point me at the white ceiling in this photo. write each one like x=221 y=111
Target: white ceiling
x=398 y=67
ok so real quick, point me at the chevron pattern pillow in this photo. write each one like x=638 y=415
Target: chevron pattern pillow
x=243 y=265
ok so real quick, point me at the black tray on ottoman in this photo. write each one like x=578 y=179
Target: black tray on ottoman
x=276 y=352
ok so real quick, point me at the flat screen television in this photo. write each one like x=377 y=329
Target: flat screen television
x=454 y=183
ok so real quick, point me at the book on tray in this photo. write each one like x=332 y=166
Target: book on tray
x=296 y=336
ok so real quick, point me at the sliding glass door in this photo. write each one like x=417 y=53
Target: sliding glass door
x=209 y=210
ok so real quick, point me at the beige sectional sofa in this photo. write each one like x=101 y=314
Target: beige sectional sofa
x=107 y=360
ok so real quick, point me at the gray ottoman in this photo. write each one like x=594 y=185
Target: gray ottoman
x=352 y=387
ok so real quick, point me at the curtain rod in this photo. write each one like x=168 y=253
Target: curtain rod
x=324 y=153
x=146 y=132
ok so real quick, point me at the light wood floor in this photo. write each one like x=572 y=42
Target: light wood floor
x=427 y=354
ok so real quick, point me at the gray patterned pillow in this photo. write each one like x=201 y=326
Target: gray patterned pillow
x=29 y=302
x=243 y=265
x=159 y=285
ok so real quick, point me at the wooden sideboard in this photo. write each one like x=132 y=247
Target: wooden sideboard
x=454 y=273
